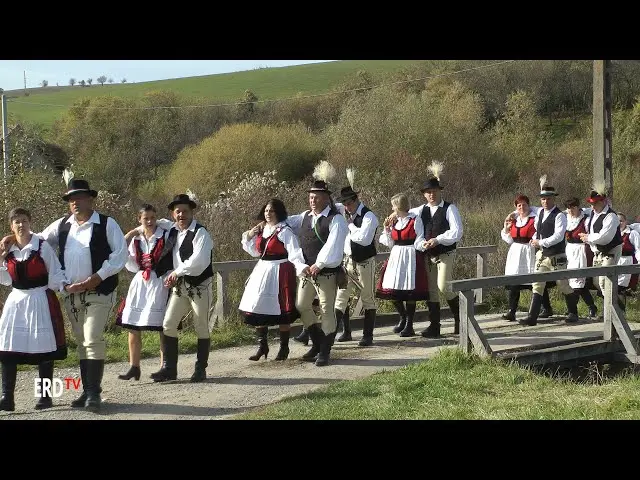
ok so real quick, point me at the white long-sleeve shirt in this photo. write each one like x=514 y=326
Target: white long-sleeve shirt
x=77 y=256
x=332 y=252
x=362 y=235
x=145 y=245
x=610 y=225
x=57 y=277
x=385 y=237
x=634 y=239
x=455 y=231
x=286 y=236
x=559 y=227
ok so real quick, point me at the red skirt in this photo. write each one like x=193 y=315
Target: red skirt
x=287 y=287
x=420 y=292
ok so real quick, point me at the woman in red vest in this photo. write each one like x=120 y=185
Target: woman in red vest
x=403 y=278
x=630 y=254
x=31 y=325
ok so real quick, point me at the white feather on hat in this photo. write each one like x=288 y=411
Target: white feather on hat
x=351 y=172
x=436 y=169
x=191 y=195
x=543 y=181
x=67 y=176
x=324 y=171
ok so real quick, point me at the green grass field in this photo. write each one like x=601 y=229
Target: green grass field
x=455 y=386
x=267 y=83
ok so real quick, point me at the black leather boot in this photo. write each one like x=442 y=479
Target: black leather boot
x=202 y=360
x=169 y=370
x=263 y=344
x=369 y=325
x=325 y=350
x=585 y=293
x=454 y=305
x=81 y=400
x=403 y=316
x=572 y=307
x=9 y=375
x=407 y=331
x=134 y=372
x=534 y=311
x=303 y=337
x=546 y=310
x=283 y=353
x=433 y=330
x=95 y=370
x=344 y=319
x=45 y=370
x=514 y=299
x=317 y=338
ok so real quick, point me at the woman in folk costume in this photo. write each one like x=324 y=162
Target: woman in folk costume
x=630 y=254
x=517 y=232
x=579 y=255
x=146 y=301
x=31 y=325
x=403 y=278
x=269 y=297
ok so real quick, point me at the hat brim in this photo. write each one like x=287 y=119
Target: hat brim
x=593 y=200
x=422 y=190
x=319 y=190
x=549 y=194
x=71 y=193
x=351 y=196
x=173 y=204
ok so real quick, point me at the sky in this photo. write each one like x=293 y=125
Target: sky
x=60 y=71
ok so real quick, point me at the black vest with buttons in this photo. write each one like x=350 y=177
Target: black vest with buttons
x=361 y=253
x=98 y=246
x=434 y=226
x=597 y=226
x=309 y=241
x=545 y=230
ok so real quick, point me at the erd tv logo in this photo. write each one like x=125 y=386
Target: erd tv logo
x=55 y=387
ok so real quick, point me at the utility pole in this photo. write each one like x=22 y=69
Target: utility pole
x=602 y=159
x=5 y=139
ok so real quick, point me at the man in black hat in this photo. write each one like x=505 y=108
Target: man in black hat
x=92 y=250
x=188 y=254
x=360 y=262
x=549 y=240
x=322 y=232
x=604 y=237
x=442 y=232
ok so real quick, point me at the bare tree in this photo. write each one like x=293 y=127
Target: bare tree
x=72 y=81
x=101 y=79
x=89 y=81
x=44 y=83
x=82 y=83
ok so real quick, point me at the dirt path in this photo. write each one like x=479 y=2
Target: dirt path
x=236 y=384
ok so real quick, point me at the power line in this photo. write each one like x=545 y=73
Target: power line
x=276 y=99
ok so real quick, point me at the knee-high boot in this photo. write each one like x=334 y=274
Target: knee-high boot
x=45 y=370
x=408 y=331
x=546 y=310
x=346 y=332
x=514 y=299
x=534 y=311
x=169 y=370
x=303 y=337
x=202 y=360
x=454 y=305
x=369 y=325
x=283 y=353
x=9 y=375
x=403 y=316
x=572 y=307
x=433 y=330
x=95 y=370
x=263 y=344
x=588 y=299
x=317 y=338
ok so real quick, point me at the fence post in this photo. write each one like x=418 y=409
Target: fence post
x=481 y=271
x=610 y=296
x=222 y=308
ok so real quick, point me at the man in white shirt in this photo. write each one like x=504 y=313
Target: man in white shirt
x=92 y=250
x=360 y=263
x=442 y=232
x=188 y=255
x=551 y=225
x=604 y=236
x=322 y=232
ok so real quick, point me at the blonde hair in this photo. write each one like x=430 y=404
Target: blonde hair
x=401 y=202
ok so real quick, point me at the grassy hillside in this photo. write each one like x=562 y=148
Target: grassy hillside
x=267 y=83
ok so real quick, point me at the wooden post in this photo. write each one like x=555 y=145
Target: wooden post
x=481 y=271
x=610 y=296
x=466 y=311
x=222 y=308
x=602 y=149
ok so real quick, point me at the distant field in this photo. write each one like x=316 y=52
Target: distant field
x=267 y=83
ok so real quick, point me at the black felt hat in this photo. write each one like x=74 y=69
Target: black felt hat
x=78 y=186
x=181 y=199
